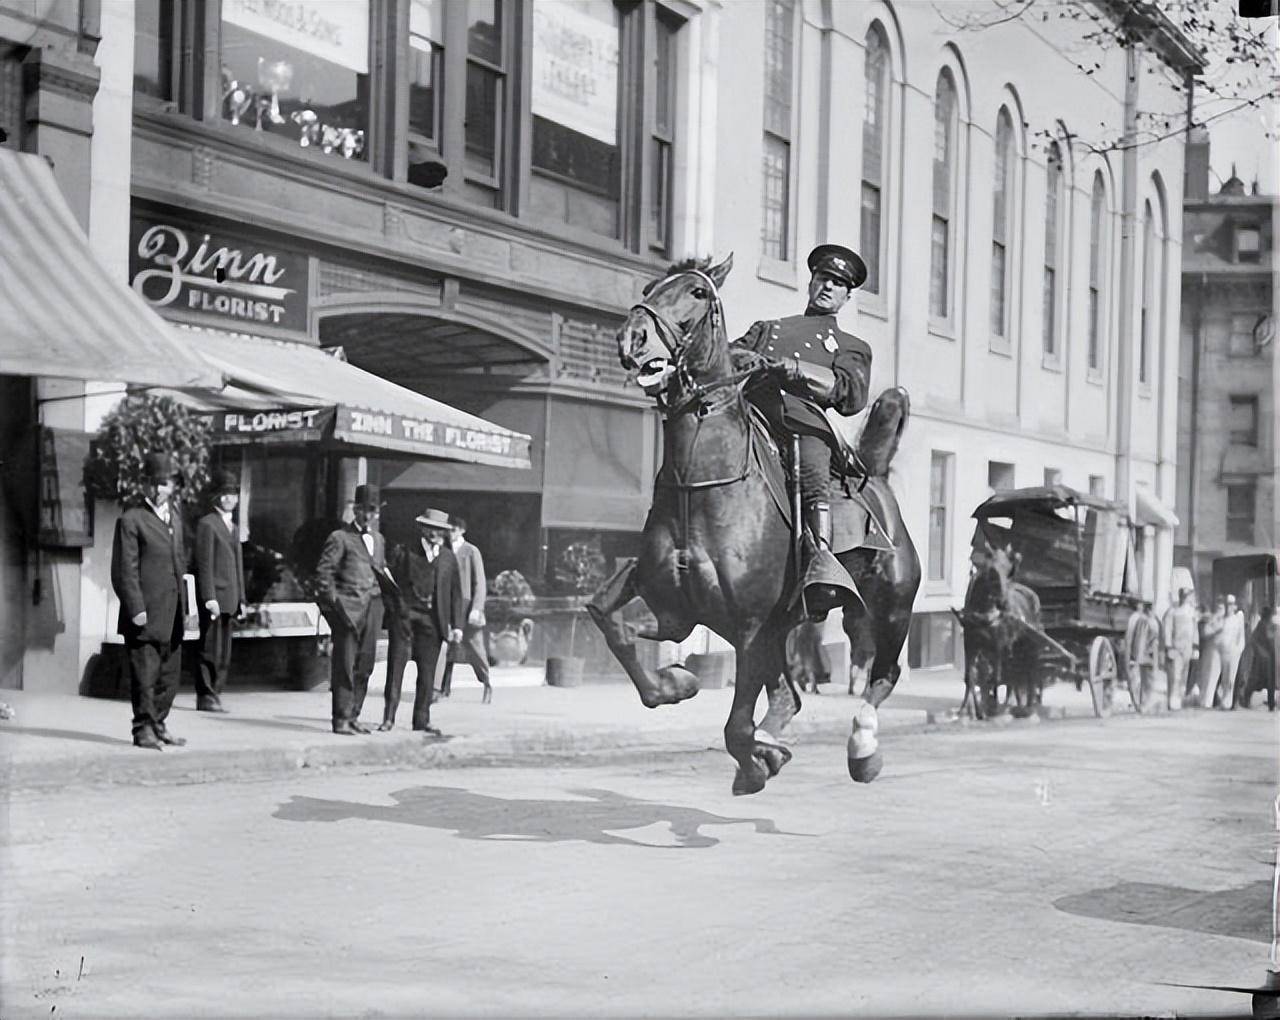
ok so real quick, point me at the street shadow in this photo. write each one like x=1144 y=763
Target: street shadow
x=86 y=738
x=1240 y=913
x=276 y=723
x=478 y=816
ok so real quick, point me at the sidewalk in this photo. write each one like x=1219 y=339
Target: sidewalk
x=58 y=740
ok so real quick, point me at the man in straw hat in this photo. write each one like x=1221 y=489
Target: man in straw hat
x=350 y=577
x=219 y=589
x=147 y=562
x=431 y=613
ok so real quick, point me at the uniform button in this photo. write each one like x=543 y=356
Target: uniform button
x=809 y=345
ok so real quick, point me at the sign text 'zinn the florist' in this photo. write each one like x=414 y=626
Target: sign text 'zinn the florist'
x=180 y=269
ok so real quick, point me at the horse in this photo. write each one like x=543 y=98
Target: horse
x=1000 y=618
x=717 y=547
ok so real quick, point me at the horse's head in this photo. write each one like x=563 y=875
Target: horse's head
x=993 y=570
x=677 y=331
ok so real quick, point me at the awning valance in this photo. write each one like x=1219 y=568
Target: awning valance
x=61 y=313
x=296 y=392
x=1151 y=509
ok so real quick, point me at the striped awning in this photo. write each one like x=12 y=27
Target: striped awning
x=61 y=313
x=281 y=391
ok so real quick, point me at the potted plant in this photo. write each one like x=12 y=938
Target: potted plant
x=582 y=567
x=510 y=629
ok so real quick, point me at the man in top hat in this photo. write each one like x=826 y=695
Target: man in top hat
x=816 y=366
x=431 y=610
x=147 y=562
x=219 y=590
x=474 y=593
x=350 y=577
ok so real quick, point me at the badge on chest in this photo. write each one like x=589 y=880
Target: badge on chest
x=812 y=338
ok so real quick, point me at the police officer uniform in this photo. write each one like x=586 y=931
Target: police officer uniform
x=815 y=365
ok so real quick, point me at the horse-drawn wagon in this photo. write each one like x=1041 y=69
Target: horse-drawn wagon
x=1062 y=586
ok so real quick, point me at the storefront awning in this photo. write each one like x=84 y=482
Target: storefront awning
x=1150 y=509
x=295 y=392
x=61 y=313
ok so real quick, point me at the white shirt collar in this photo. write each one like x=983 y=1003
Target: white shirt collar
x=160 y=511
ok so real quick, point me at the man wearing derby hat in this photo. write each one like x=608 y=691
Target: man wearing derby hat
x=814 y=366
x=431 y=613
x=219 y=589
x=350 y=577
x=147 y=562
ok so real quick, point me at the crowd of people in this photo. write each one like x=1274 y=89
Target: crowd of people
x=428 y=595
x=1210 y=655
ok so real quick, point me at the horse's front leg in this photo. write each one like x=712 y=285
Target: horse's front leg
x=669 y=685
x=757 y=752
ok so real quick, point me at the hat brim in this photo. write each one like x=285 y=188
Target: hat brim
x=428 y=523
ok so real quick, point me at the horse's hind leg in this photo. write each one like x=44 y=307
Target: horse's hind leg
x=669 y=685
x=758 y=754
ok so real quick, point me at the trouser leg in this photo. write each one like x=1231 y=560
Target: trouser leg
x=144 y=666
x=366 y=655
x=1210 y=667
x=214 y=660
x=168 y=676
x=1230 y=662
x=426 y=652
x=341 y=669
x=814 y=474
x=398 y=645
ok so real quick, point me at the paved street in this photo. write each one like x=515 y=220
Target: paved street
x=1062 y=866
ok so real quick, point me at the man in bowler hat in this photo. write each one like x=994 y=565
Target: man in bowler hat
x=350 y=577
x=432 y=610
x=147 y=561
x=475 y=591
x=219 y=590
x=815 y=366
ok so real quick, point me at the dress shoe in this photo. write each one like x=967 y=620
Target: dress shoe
x=359 y=727
x=387 y=726
x=165 y=737
x=147 y=739
x=211 y=706
x=345 y=729
x=430 y=730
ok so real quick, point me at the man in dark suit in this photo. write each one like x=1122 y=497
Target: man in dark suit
x=147 y=559
x=816 y=367
x=471 y=649
x=431 y=608
x=219 y=590
x=350 y=576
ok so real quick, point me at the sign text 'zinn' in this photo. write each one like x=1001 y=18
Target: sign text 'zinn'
x=416 y=430
x=179 y=269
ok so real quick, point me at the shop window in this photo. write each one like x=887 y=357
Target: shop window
x=939 y=512
x=1053 y=205
x=1001 y=227
x=1244 y=420
x=1000 y=476
x=779 y=36
x=875 y=133
x=577 y=149
x=277 y=502
x=945 y=130
x=299 y=70
x=1241 y=506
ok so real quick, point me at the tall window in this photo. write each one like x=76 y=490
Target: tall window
x=1147 y=317
x=426 y=70
x=1001 y=224
x=1097 y=485
x=875 y=132
x=1052 y=210
x=945 y=117
x=1097 y=264
x=486 y=100
x=1243 y=423
x=1241 y=508
x=305 y=79
x=779 y=32
x=664 y=133
x=153 y=28
x=939 y=509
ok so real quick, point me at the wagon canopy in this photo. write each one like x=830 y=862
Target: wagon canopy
x=1043 y=499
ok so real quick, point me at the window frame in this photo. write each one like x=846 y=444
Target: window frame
x=947 y=460
x=786 y=263
x=877 y=259
x=1052 y=310
x=1251 y=488
x=944 y=324
x=1251 y=333
x=1097 y=326
x=1003 y=235
x=1247 y=437
x=1238 y=253
x=1147 y=312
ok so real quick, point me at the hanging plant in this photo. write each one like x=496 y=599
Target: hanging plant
x=140 y=424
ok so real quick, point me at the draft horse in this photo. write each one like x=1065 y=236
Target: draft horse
x=717 y=548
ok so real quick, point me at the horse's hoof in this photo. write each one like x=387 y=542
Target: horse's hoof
x=864 y=770
x=751 y=781
x=676 y=684
x=772 y=756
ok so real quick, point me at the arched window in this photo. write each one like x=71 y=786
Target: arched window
x=945 y=125
x=1097 y=267
x=875 y=134
x=1002 y=224
x=1148 y=321
x=1052 y=210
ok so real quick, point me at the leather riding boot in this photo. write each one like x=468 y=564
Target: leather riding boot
x=826 y=583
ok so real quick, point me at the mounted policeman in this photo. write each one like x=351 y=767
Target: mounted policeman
x=811 y=365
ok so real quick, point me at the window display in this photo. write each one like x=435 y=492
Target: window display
x=300 y=70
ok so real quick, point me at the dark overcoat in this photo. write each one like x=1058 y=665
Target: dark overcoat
x=219 y=565
x=410 y=570
x=147 y=563
x=347 y=577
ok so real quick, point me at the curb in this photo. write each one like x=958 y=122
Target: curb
x=507 y=750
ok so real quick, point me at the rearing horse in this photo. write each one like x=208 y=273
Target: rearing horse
x=717 y=548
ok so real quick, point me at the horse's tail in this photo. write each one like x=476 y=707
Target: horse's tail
x=882 y=431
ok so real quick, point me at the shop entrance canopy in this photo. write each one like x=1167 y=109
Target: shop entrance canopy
x=63 y=315
x=279 y=391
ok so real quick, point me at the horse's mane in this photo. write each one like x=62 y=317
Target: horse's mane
x=702 y=264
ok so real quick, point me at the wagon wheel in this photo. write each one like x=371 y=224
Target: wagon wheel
x=1102 y=674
